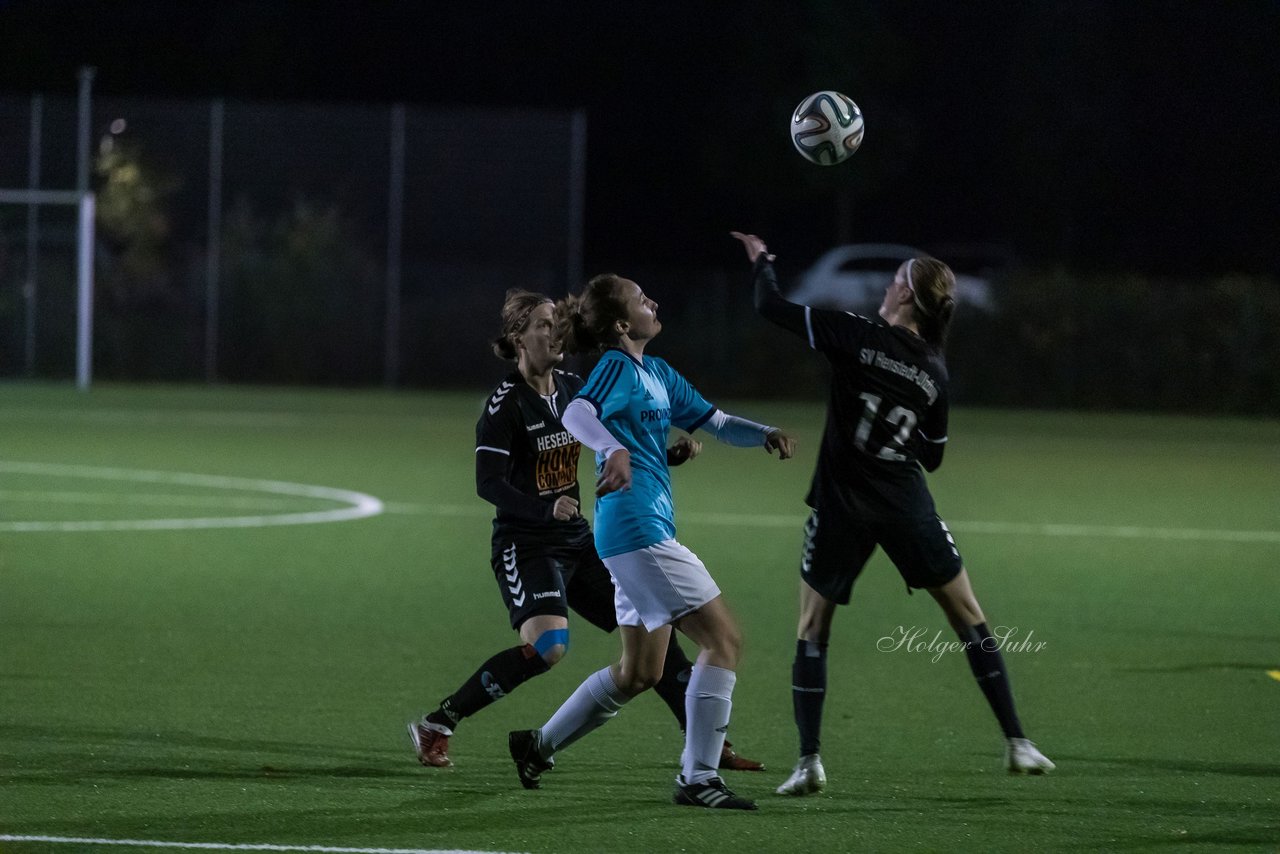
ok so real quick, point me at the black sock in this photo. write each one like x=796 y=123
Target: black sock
x=675 y=679
x=495 y=679
x=988 y=668
x=808 y=692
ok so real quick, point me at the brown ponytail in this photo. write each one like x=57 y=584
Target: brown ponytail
x=934 y=286
x=586 y=322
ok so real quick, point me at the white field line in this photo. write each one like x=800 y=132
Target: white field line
x=1132 y=532
x=227 y=846
x=159 y=499
x=198 y=417
x=361 y=506
x=760 y=520
x=355 y=505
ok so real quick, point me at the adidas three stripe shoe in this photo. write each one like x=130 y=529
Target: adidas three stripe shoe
x=713 y=794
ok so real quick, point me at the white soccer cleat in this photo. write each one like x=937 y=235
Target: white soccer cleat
x=809 y=777
x=1022 y=757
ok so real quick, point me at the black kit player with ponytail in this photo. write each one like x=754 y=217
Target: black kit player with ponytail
x=886 y=421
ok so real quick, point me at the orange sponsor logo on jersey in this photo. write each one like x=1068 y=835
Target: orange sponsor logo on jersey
x=558 y=467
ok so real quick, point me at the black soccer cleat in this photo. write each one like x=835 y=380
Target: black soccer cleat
x=712 y=794
x=523 y=744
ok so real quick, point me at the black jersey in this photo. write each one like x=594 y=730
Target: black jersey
x=525 y=459
x=888 y=406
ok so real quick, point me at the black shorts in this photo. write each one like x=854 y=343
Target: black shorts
x=537 y=579
x=836 y=549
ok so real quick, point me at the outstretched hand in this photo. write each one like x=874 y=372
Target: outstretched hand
x=754 y=245
x=616 y=473
x=784 y=444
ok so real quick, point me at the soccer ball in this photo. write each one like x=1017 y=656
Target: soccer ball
x=826 y=128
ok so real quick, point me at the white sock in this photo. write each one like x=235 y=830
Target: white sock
x=594 y=702
x=707 y=703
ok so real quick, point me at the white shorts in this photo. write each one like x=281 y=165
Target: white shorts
x=658 y=584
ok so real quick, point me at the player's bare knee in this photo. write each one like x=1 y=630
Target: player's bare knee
x=733 y=645
x=633 y=680
x=725 y=649
x=813 y=628
x=643 y=682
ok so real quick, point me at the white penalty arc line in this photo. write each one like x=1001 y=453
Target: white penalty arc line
x=360 y=505
x=757 y=520
x=357 y=505
x=228 y=846
x=160 y=499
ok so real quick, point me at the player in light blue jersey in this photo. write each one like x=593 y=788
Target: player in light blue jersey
x=624 y=413
x=640 y=400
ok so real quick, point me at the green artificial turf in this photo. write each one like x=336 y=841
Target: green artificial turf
x=252 y=684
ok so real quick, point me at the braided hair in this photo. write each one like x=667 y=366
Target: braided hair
x=516 y=309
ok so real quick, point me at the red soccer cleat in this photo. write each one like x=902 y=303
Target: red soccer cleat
x=431 y=743
x=730 y=760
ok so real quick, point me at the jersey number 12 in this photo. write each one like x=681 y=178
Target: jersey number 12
x=900 y=417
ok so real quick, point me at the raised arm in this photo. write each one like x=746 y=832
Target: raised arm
x=769 y=300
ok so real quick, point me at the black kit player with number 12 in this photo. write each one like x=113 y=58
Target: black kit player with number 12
x=886 y=418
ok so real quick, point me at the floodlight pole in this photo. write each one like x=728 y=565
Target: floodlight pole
x=85 y=103
x=31 y=292
x=84 y=276
x=213 y=253
x=577 y=196
x=84 y=290
x=395 y=237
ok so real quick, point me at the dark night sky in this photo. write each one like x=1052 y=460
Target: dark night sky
x=1120 y=135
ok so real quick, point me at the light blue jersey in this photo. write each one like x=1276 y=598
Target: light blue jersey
x=638 y=401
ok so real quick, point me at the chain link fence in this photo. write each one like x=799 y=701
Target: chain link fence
x=360 y=245
x=284 y=242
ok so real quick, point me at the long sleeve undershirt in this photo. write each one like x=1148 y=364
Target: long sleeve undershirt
x=492 y=485
x=581 y=420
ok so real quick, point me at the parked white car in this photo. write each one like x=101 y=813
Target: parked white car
x=855 y=277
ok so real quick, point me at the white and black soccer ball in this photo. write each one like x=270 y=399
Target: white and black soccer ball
x=826 y=128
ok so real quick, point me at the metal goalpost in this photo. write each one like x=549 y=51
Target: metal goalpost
x=84 y=267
